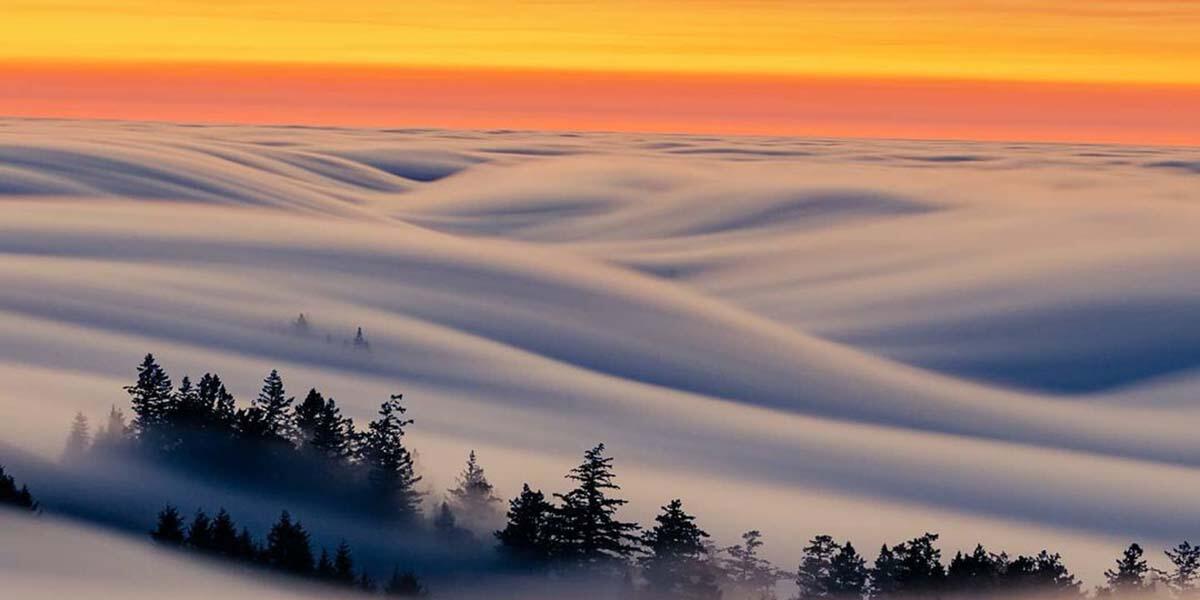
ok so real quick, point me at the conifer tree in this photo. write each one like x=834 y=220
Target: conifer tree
x=848 y=575
x=1130 y=575
x=474 y=496
x=324 y=570
x=217 y=402
x=169 y=530
x=275 y=409
x=1185 y=569
x=446 y=525
x=526 y=536
x=813 y=577
x=360 y=340
x=113 y=437
x=912 y=569
x=247 y=549
x=288 y=548
x=307 y=414
x=585 y=528
x=333 y=435
x=1043 y=574
x=224 y=534
x=11 y=495
x=403 y=585
x=980 y=572
x=390 y=466
x=366 y=584
x=677 y=563
x=343 y=564
x=151 y=398
x=78 y=440
x=746 y=573
x=200 y=533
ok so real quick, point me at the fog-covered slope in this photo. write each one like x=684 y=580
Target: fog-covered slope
x=868 y=339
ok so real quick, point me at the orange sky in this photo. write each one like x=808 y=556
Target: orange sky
x=1089 y=70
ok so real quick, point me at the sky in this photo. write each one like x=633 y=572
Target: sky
x=1086 y=70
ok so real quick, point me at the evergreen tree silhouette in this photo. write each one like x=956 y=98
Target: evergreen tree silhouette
x=78 y=440
x=224 y=534
x=247 y=549
x=814 y=575
x=748 y=574
x=274 y=406
x=324 y=569
x=169 y=530
x=912 y=569
x=332 y=435
x=360 y=340
x=114 y=436
x=1130 y=575
x=1043 y=574
x=308 y=413
x=366 y=584
x=848 y=574
x=200 y=533
x=151 y=398
x=300 y=326
x=217 y=402
x=446 y=526
x=288 y=548
x=980 y=572
x=585 y=528
x=390 y=466
x=677 y=563
x=526 y=536
x=343 y=564
x=11 y=495
x=474 y=496
x=404 y=585
x=1185 y=569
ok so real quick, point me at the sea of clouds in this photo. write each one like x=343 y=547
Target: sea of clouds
x=871 y=339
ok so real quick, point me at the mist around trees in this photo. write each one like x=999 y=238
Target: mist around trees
x=306 y=451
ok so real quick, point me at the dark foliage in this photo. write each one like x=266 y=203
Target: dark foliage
x=11 y=495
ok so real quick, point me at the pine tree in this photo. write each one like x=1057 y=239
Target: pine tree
x=1185 y=569
x=677 y=563
x=360 y=340
x=978 y=572
x=275 y=407
x=224 y=534
x=585 y=527
x=1043 y=574
x=913 y=569
x=247 y=549
x=390 y=466
x=526 y=536
x=11 y=495
x=813 y=577
x=169 y=529
x=343 y=564
x=332 y=435
x=446 y=526
x=308 y=413
x=78 y=440
x=403 y=585
x=200 y=533
x=474 y=496
x=1130 y=576
x=114 y=436
x=324 y=570
x=152 y=398
x=848 y=574
x=746 y=573
x=366 y=584
x=217 y=402
x=288 y=547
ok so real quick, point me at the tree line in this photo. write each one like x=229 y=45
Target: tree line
x=287 y=549
x=310 y=451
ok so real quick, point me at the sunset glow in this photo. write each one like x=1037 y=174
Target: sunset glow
x=1147 y=50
